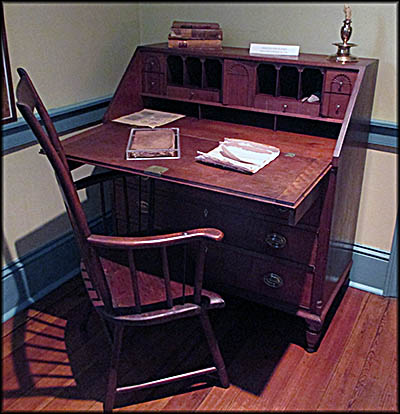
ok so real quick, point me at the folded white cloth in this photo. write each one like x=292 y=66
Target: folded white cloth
x=240 y=155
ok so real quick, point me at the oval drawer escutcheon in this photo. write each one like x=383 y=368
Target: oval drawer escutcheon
x=276 y=240
x=273 y=280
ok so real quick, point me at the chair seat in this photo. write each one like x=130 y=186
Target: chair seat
x=152 y=295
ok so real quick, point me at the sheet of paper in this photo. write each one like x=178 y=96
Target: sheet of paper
x=240 y=155
x=149 y=118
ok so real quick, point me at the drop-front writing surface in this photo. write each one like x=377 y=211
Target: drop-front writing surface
x=286 y=227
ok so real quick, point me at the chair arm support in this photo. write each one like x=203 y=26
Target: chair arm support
x=96 y=179
x=117 y=242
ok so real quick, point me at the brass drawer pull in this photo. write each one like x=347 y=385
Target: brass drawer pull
x=276 y=241
x=273 y=280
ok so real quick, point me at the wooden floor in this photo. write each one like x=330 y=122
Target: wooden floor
x=50 y=365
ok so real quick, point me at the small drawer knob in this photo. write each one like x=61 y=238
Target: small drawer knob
x=337 y=108
x=205 y=212
x=276 y=240
x=284 y=107
x=145 y=207
x=273 y=280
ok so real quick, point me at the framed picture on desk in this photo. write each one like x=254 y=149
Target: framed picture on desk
x=8 y=110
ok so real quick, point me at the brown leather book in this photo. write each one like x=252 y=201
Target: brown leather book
x=195 y=25
x=195 y=43
x=180 y=33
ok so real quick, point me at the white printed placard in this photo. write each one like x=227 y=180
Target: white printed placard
x=275 y=50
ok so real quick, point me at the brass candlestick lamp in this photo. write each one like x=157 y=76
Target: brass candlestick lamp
x=343 y=53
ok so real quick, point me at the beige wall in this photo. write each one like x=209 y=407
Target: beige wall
x=79 y=51
x=378 y=206
x=73 y=51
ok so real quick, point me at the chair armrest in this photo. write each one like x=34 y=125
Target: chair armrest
x=96 y=179
x=116 y=242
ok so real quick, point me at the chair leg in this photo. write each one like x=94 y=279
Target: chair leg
x=107 y=330
x=83 y=327
x=214 y=348
x=112 y=376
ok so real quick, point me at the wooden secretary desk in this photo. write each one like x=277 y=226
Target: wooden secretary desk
x=288 y=228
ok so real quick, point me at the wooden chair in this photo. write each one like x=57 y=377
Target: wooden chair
x=123 y=295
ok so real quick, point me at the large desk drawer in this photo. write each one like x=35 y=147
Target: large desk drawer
x=258 y=235
x=243 y=227
x=266 y=276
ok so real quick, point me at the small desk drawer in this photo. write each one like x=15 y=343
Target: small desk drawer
x=191 y=93
x=334 y=105
x=272 y=103
x=153 y=83
x=153 y=63
x=339 y=82
x=285 y=105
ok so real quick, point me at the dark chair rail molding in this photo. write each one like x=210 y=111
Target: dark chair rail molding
x=382 y=134
x=66 y=119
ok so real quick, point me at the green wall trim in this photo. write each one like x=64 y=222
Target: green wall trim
x=67 y=118
x=28 y=279
x=32 y=276
x=383 y=133
x=370 y=266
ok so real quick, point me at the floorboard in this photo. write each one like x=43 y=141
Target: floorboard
x=49 y=364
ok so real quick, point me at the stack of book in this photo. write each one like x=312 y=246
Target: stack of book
x=195 y=35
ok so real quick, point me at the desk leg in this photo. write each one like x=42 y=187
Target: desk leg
x=313 y=335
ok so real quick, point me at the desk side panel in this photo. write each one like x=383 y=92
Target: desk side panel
x=126 y=99
x=350 y=164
